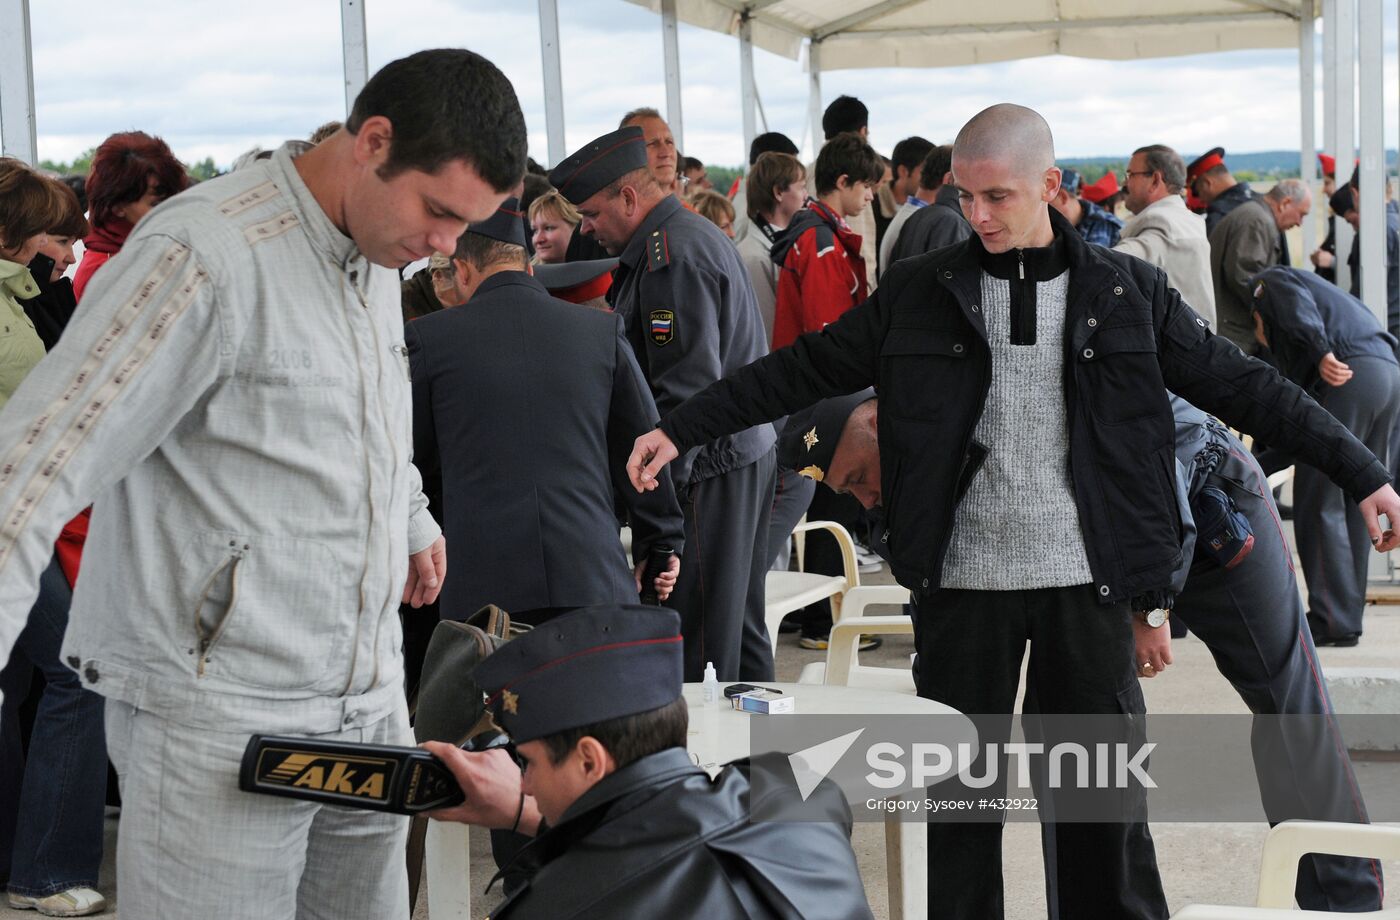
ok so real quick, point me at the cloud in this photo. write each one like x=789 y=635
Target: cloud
x=216 y=79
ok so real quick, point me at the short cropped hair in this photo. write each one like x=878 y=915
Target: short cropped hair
x=937 y=164
x=29 y=203
x=122 y=168
x=552 y=202
x=847 y=155
x=446 y=104
x=1288 y=190
x=639 y=178
x=909 y=153
x=689 y=164
x=325 y=131
x=845 y=114
x=1162 y=159
x=483 y=252
x=770 y=142
x=712 y=206
x=645 y=111
x=71 y=222
x=629 y=738
x=770 y=171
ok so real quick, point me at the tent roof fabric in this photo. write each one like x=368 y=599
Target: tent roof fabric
x=864 y=34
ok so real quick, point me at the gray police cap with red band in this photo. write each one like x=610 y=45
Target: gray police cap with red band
x=507 y=225
x=589 y=665
x=599 y=163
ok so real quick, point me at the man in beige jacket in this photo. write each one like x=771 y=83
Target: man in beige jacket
x=1162 y=231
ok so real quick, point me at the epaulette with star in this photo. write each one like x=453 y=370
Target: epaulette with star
x=658 y=251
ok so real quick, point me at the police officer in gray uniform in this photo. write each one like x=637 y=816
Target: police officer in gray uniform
x=1241 y=599
x=1329 y=343
x=691 y=317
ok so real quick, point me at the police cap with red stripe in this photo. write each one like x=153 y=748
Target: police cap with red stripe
x=586 y=666
x=507 y=225
x=1204 y=163
x=599 y=163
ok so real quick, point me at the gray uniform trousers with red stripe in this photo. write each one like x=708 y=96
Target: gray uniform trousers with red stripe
x=720 y=590
x=1252 y=619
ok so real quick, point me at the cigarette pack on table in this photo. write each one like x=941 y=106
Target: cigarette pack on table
x=765 y=702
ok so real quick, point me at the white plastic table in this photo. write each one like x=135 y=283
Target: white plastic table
x=721 y=735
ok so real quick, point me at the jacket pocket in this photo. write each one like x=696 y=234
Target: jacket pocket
x=1121 y=379
x=918 y=363
x=264 y=612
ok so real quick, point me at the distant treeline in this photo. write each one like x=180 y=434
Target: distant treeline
x=204 y=169
x=1269 y=164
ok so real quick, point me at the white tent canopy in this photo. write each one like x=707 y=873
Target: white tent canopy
x=936 y=33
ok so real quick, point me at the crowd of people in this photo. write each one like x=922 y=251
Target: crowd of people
x=260 y=435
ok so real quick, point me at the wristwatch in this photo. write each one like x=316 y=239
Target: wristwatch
x=1155 y=618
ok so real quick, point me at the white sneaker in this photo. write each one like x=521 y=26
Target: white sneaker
x=75 y=902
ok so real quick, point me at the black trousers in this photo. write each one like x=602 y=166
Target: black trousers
x=720 y=591
x=971 y=644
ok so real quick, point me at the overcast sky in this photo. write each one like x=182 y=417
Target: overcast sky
x=214 y=79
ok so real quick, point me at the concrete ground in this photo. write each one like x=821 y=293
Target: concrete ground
x=1199 y=863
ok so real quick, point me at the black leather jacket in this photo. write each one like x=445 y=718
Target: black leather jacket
x=659 y=838
x=921 y=340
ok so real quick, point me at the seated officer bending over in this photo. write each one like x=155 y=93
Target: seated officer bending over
x=625 y=824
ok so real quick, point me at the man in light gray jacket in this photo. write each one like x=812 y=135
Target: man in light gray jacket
x=234 y=398
x=1162 y=231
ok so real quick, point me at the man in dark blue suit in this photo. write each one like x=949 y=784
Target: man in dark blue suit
x=529 y=406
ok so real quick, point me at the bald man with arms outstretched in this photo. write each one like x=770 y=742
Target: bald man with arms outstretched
x=1027 y=477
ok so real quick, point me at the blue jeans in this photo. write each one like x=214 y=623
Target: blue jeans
x=51 y=803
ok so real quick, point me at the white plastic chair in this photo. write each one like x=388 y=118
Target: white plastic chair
x=1279 y=478
x=842 y=667
x=1278 y=873
x=789 y=591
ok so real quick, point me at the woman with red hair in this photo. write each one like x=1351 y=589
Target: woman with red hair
x=132 y=172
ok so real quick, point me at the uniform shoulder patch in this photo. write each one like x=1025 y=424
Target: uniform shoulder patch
x=658 y=250
x=662 y=326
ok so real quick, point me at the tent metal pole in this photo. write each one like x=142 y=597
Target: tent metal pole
x=814 y=93
x=356 y=49
x=553 y=79
x=17 y=131
x=748 y=91
x=1370 y=26
x=1341 y=116
x=671 y=49
x=1307 y=156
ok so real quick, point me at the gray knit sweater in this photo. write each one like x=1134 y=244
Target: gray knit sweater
x=1018 y=526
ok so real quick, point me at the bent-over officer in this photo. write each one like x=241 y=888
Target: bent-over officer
x=625 y=824
x=1332 y=345
x=691 y=317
